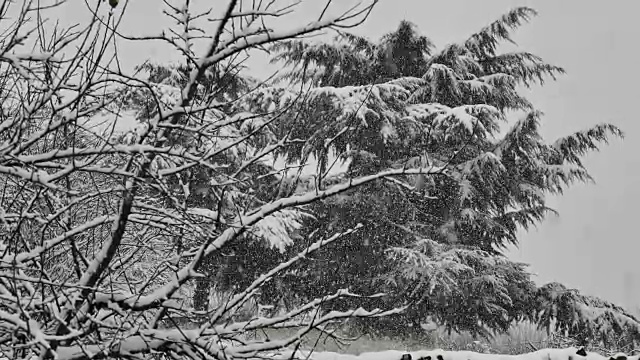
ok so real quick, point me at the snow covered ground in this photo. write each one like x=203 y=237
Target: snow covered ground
x=438 y=354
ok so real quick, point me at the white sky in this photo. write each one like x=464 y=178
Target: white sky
x=591 y=246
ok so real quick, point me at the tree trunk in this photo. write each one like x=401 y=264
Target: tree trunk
x=201 y=294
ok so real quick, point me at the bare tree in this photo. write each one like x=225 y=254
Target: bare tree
x=100 y=238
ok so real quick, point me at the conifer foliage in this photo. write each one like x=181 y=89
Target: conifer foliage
x=433 y=241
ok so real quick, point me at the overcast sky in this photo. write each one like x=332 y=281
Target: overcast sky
x=592 y=245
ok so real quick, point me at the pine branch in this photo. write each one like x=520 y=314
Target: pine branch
x=483 y=44
x=574 y=146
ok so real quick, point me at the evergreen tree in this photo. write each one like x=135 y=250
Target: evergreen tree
x=433 y=242
x=430 y=241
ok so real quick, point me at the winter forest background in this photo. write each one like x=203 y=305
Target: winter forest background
x=189 y=206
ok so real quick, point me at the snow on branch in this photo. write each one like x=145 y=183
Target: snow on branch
x=242 y=297
x=120 y=191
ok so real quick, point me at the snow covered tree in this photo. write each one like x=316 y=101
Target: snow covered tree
x=587 y=319
x=104 y=231
x=222 y=85
x=432 y=241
